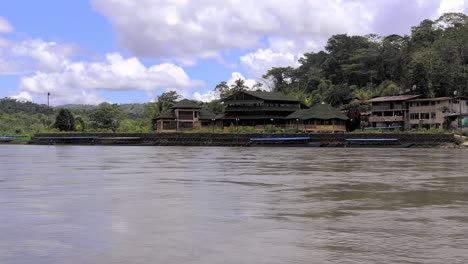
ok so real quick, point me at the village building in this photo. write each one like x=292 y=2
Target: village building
x=441 y=112
x=390 y=111
x=254 y=109
x=185 y=115
x=319 y=118
x=259 y=109
x=413 y=112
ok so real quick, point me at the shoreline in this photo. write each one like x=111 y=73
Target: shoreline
x=364 y=140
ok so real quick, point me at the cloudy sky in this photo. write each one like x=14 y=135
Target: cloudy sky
x=122 y=51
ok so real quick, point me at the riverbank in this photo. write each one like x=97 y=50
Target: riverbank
x=245 y=140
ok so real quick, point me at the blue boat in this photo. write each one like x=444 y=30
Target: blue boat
x=283 y=142
x=4 y=139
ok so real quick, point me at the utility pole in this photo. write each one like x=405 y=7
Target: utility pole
x=48 y=111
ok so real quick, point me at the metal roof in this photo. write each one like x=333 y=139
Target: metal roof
x=392 y=98
x=431 y=99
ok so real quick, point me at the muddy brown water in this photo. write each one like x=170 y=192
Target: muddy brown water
x=96 y=204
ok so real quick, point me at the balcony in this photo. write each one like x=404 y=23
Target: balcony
x=386 y=119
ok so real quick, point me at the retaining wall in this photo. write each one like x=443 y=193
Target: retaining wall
x=220 y=139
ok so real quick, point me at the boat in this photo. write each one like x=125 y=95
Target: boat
x=283 y=142
x=6 y=139
x=371 y=142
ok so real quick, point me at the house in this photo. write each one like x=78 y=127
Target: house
x=319 y=118
x=185 y=115
x=258 y=109
x=413 y=112
x=440 y=112
x=390 y=111
x=254 y=109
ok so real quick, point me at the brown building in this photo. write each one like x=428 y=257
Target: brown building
x=390 y=111
x=184 y=115
x=258 y=109
x=319 y=118
x=441 y=112
x=413 y=112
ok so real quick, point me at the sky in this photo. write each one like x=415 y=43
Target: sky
x=131 y=51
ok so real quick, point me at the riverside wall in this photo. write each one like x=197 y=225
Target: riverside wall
x=221 y=139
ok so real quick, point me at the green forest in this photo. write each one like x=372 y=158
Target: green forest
x=432 y=61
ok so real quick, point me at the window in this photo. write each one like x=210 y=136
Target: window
x=414 y=116
x=424 y=115
x=433 y=115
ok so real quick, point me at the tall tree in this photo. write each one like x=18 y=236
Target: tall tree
x=65 y=120
x=239 y=85
x=107 y=116
x=167 y=100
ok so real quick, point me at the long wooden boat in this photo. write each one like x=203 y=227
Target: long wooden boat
x=283 y=142
x=6 y=139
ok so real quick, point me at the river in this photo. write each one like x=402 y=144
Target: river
x=111 y=204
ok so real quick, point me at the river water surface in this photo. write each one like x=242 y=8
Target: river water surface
x=86 y=204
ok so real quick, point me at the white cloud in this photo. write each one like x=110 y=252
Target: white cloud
x=79 y=82
x=30 y=55
x=188 y=29
x=236 y=76
x=448 y=6
x=206 y=97
x=23 y=96
x=5 y=26
x=259 y=62
x=213 y=95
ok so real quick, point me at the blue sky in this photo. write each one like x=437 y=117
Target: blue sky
x=90 y=51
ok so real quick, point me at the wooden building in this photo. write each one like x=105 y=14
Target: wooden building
x=185 y=115
x=258 y=109
x=319 y=118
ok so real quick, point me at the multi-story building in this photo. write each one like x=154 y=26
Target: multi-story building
x=247 y=108
x=390 y=111
x=441 y=112
x=413 y=112
x=184 y=115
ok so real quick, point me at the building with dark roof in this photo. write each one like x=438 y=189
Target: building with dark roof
x=319 y=118
x=184 y=115
x=257 y=109
x=254 y=109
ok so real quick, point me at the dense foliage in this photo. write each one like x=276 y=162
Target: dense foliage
x=432 y=61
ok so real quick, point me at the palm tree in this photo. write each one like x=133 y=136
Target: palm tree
x=239 y=85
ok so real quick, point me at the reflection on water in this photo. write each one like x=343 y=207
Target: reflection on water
x=82 y=204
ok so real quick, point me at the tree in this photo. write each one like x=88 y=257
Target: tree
x=223 y=89
x=239 y=85
x=80 y=124
x=167 y=100
x=339 y=95
x=151 y=111
x=420 y=80
x=65 y=120
x=107 y=116
x=283 y=79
